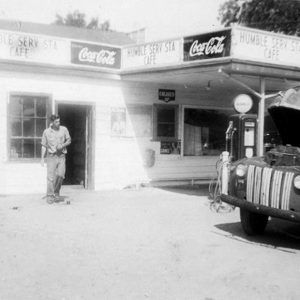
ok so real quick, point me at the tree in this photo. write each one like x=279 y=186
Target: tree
x=273 y=15
x=78 y=19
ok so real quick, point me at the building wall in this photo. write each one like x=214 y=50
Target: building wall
x=170 y=166
x=30 y=177
x=119 y=161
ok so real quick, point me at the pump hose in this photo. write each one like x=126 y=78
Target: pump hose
x=214 y=191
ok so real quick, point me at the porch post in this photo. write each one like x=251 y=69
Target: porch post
x=261 y=118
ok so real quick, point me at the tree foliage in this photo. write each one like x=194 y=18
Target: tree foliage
x=78 y=19
x=273 y=15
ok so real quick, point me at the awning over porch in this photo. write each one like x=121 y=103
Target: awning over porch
x=211 y=79
x=225 y=78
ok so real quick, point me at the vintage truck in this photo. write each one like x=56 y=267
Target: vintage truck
x=270 y=185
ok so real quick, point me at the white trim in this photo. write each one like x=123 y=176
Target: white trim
x=177 y=66
x=53 y=104
x=181 y=110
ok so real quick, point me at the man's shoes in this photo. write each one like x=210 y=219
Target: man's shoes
x=54 y=199
x=50 y=199
x=57 y=198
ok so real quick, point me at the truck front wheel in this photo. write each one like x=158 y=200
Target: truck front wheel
x=253 y=223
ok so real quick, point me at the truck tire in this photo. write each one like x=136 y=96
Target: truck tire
x=253 y=223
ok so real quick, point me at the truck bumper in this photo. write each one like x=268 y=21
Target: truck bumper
x=262 y=209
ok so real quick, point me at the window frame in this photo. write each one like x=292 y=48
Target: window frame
x=156 y=106
x=204 y=107
x=49 y=101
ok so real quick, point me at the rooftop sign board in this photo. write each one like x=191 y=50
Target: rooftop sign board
x=207 y=46
x=33 y=48
x=152 y=54
x=267 y=47
x=236 y=42
x=29 y=47
x=95 y=55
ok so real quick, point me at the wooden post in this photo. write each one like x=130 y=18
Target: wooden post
x=261 y=118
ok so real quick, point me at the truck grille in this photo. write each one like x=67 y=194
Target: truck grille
x=269 y=187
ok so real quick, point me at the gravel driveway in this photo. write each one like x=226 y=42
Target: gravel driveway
x=141 y=244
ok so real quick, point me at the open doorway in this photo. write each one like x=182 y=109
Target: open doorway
x=79 y=160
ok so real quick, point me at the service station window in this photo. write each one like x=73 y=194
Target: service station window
x=27 y=117
x=165 y=128
x=204 y=131
x=165 y=122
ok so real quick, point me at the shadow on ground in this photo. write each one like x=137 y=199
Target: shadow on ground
x=279 y=234
x=195 y=190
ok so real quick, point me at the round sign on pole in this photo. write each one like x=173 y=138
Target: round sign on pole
x=242 y=103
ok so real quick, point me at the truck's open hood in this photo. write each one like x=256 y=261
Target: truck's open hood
x=285 y=112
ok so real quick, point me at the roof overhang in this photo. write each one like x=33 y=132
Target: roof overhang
x=213 y=78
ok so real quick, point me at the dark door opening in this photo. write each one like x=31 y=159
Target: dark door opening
x=76 y=119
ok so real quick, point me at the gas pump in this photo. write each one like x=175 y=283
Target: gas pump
x=240 y=140
x=241 y=136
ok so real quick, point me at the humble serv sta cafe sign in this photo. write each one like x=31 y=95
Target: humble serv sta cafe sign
x=33 y=48
x=152 y=54
x=95 y=55
x=207 y=46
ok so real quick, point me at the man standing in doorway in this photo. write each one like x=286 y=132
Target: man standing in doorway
x=55 y=140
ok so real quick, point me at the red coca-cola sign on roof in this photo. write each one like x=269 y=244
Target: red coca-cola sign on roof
x=95 y=55
x=206 y=46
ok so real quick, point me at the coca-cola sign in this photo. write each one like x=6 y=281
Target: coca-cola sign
x=205 y=46
x=95 y=55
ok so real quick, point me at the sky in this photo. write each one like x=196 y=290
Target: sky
x=161 y=18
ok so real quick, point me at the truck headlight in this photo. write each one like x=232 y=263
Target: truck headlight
x=241 y=170
x=297 y=182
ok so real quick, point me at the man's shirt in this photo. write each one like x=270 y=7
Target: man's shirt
x=52 y=138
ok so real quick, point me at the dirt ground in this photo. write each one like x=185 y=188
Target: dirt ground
x=141 y=244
